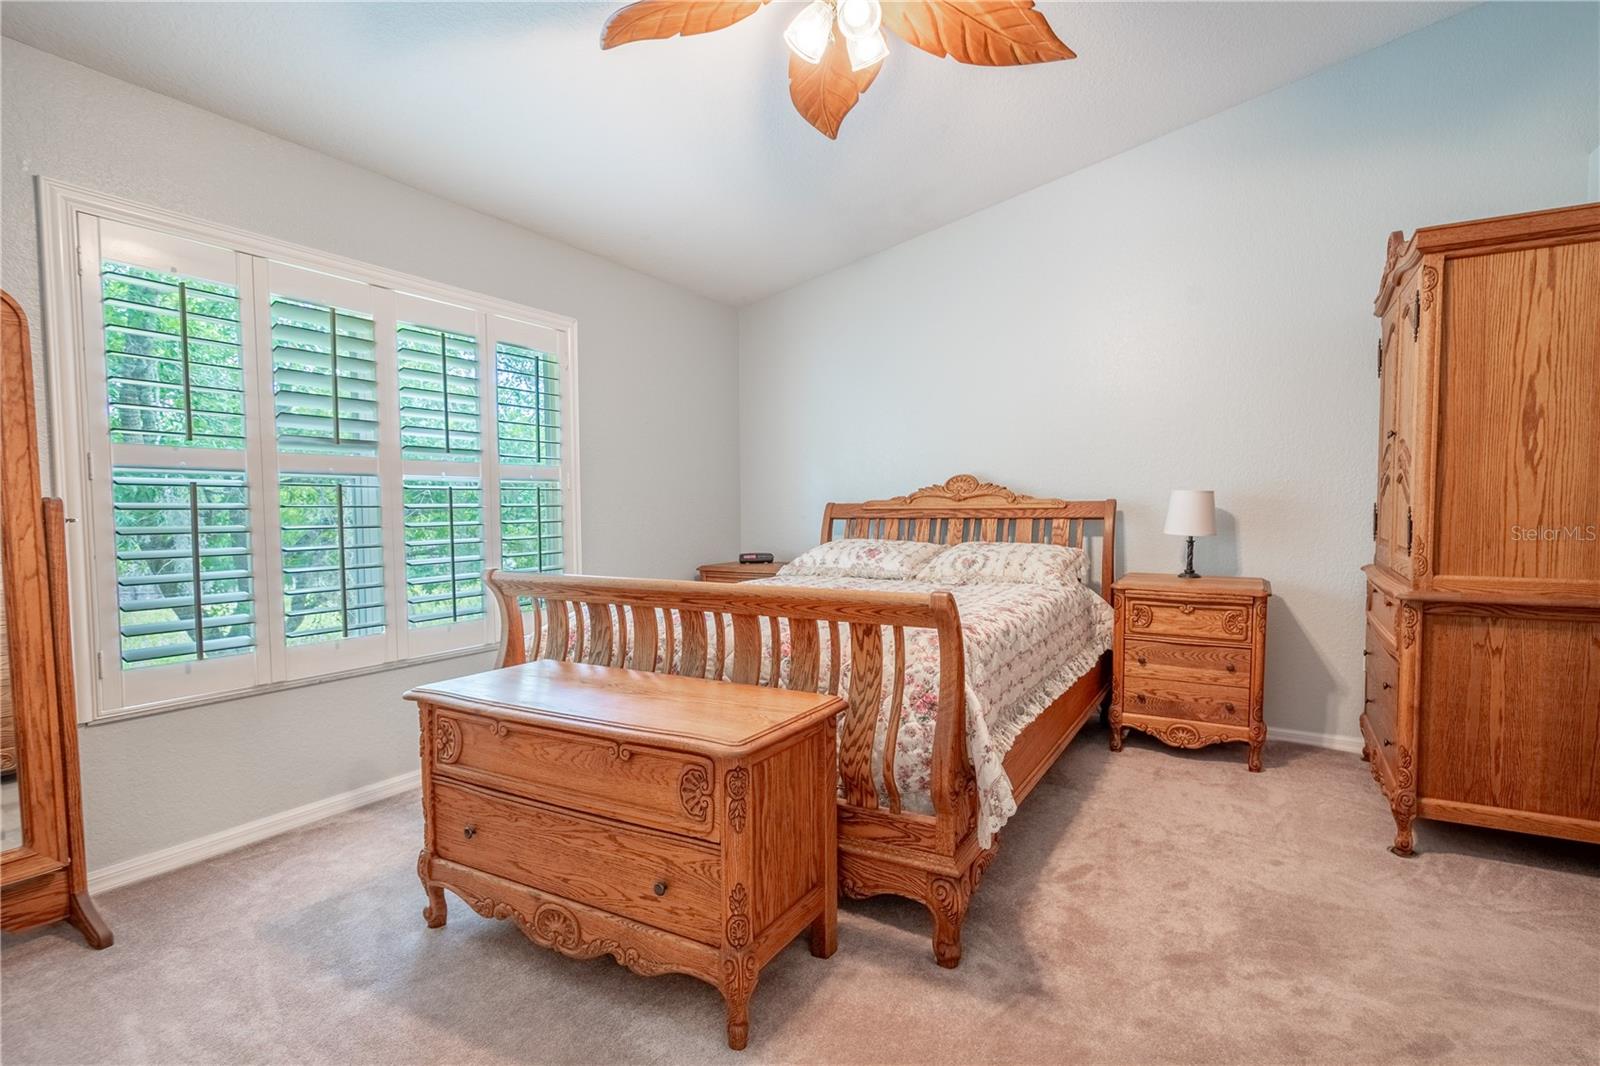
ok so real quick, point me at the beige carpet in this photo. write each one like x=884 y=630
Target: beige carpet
x=1154 y=906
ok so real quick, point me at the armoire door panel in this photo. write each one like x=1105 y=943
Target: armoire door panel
x=1512 y=711
x=1519 y=449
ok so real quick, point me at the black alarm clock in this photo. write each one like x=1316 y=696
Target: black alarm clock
x=755 y=557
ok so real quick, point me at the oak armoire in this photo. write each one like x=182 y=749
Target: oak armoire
x=1483 y=597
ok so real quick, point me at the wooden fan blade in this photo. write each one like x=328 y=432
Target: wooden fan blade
x=652 y=20
x=824 y=92
x=991 y=33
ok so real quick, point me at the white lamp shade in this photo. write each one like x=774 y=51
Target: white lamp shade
x=1192 y=513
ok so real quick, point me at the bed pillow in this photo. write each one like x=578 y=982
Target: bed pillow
x=1030 y=564
x=885 y=560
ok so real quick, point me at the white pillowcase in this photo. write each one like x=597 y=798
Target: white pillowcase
x=887 y=560
x=1030 y=564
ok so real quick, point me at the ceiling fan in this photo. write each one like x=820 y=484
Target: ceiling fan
x=837 y=47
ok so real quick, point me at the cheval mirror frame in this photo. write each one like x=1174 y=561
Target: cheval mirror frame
x=44 y=879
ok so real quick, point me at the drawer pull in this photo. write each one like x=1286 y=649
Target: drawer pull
x=1369 y=699
x=1388 y=743
x=660 y=888
x=1140 y=660
x=1387 y=685
x=1365 y=652
x=1232 y=669
x=470 y=831
x=1140 y=697
x=1228 y=707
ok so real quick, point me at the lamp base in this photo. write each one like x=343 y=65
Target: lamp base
x=1188 y=559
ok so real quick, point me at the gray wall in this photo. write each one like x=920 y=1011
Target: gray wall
x=1194 y=313
x=655 y=364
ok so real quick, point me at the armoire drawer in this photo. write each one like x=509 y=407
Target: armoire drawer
x=1383 y=613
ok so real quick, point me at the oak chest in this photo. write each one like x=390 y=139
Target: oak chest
x=673 y=823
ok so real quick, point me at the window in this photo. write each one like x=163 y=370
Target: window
x=294 y=466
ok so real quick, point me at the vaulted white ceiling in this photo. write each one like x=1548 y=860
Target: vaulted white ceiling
x=685 y=158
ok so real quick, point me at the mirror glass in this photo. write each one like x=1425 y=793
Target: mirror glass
x=10 y=793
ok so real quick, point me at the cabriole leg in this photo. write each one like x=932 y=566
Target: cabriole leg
x=738 y=982
x=435 y=912
x=949 y=899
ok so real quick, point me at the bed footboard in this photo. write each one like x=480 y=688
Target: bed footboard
x=684 y=627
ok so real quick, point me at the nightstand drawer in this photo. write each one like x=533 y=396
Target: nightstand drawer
x=1189 y=620
x=1195 y=703
x=1203 y=664
x=662 y=789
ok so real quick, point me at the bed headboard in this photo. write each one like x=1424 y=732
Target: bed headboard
x=967 y=509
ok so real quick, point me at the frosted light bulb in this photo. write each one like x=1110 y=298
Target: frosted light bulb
x=807 y=36
x=860 y=19
x=866 y=51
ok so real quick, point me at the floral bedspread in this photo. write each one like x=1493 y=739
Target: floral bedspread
x=1025 y=644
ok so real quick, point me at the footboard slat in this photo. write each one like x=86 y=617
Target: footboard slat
x=746 y=648
x=693 y=624
x=719 y=656
x=891 y=734
x=804 y=654
x=645 y=639
x=621 y=658
x=861 y=720
x=556 y=648
x=599 y=634
x=833 y=658
x=775 y=659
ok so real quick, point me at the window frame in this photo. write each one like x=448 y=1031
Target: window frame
x=81 y=451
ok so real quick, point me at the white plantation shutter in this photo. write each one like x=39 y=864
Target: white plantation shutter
x=184 y=577
x=535 y=523
x=174 y=371
x=324 y=378
x=291 y=472
x=531 y=526
x=444 y=550
x=331 y=533
x=439 y=408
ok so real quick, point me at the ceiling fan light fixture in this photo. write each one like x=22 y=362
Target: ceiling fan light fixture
x=860 y=19
x=866 y=51
x=808 y=35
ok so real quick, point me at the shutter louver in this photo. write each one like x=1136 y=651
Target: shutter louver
x=444 y=550
x=439 y=417
x=184 y=584
x=531 y=526
x=324 y=378
x=174 y=369
x=528 y=405
x=332 y=557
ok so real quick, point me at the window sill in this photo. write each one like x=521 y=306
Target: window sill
x=187 y=702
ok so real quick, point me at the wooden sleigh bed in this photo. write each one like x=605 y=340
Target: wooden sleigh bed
x=936 y=858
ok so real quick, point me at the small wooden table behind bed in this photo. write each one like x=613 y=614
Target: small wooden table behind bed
x=933 y=859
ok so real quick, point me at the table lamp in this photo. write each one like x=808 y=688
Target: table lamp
x=1191 y=513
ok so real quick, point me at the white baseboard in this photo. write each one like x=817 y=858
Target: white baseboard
x=153 y=863
x=1316 y=740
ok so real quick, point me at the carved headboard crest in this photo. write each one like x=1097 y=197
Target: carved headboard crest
x=965 y=488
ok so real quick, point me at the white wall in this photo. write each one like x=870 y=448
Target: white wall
x=656 y=364
x=1195 y=312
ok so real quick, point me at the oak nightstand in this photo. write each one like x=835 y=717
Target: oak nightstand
x=1188 y=660
x=729 y=572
